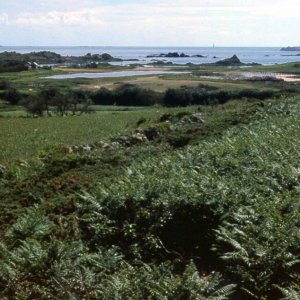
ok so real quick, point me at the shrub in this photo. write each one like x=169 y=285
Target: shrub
x=178 y=140
x=103 y=96
x=4 y=84
x=12 y=96
x=12 y=66
x=203 y=96
x=178 y=97
x=127 y=95
x=34 y=105
x=130 y=95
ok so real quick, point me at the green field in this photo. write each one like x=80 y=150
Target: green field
x=22 y=137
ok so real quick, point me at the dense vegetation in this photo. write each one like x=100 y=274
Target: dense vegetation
x=202 y=95
x=63 y=101
x=191 y=193
x=217 y=219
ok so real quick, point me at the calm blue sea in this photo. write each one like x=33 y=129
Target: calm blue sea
x=264 y=56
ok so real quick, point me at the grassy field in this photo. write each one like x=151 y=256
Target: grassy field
x=292 y=68
x=162 y=83
x=21 y=137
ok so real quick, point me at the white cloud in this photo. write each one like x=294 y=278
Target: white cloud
x=159 y=22
x=188 y=11
x=127 y=13
x=3 y=18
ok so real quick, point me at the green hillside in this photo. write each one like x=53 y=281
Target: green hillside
x=211 y=216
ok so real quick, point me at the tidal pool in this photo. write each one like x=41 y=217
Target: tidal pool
x=113 y=74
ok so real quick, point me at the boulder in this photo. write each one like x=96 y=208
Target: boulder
x=232 y=61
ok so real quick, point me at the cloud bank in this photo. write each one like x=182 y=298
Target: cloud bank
x=178 y=22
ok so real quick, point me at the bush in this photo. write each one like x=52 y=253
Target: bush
x=133 y=96
x=203 y=96
x=127 y=95
x=103 y=96
x=34 y=105
x=12 y=66
x=60 y=102
x=4 y=84
x=178 y=140
x=178 y=97
x=12 y=96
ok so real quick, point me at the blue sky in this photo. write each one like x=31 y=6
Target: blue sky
x=150 y=23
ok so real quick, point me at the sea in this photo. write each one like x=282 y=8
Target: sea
x=261 y=55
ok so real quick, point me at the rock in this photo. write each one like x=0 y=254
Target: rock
x=161 y=63
x=196 y=118
x=87 y=148
x=170 y=54
x=70 y=149
x=151 y=133
x=23 y=163
x=291 y=54
x=139 y=137
x=165 y=117
x=232 y=61
x=116 y=145
x=190 y=119
x=290 y=48
x=184 y=55
x=105 y=146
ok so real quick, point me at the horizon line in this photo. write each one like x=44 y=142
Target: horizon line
x=151 y=46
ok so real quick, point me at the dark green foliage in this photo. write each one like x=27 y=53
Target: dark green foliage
x=146 y=221
x=42 y=57
x=179 y=140
x=34 y=105
x=127 y=95
x=203 y=96
x=261 y=243
x=134 y=96
x=105 y=57
x=12 y=96
x=59 y=102
x=4 y=84
x=12 y=66
x=178 y=97
x=103 y=96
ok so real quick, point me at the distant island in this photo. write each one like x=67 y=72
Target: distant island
x=48 y=57
x=291 y=54
x=290 y=48
x=173 y=55
x=13 y=61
